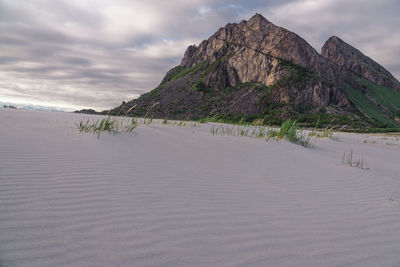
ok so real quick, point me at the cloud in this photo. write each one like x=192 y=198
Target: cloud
x=97 y=53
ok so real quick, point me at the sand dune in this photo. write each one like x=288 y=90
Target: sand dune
x=179 y=196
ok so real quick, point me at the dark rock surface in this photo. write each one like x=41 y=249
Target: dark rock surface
x=351 y=59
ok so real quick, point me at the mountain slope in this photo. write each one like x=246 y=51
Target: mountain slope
x=369 y=85
x=255 y=69
x=355 y=61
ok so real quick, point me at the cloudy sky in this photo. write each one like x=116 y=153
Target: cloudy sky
x=78 y=54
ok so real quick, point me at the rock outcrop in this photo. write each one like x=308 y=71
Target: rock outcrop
x=351 y=59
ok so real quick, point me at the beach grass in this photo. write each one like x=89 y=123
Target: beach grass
x=109 y=124
x=289 y=130
x=326 y=132
x=348 y=159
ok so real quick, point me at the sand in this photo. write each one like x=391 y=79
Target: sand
x=179 y=196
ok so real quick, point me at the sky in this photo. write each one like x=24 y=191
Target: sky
x=74 y=54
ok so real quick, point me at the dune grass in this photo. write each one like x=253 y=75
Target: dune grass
x=348 y=159
x=193 y=124
x=147 y=121
x=289 y=130
x=116 y=124
x=108 y=124
x=326 y=132
x=130 y=127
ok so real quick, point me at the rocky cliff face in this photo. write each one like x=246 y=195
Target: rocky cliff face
x=351 y=59
x=254 y=51
x=255 y=68
x=257 y=51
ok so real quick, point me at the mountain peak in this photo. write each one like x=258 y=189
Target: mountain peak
x=258 y=22
x=257 y=35
x=258 y=18
x=334 y=38
x=335 y=44
x=352 y=59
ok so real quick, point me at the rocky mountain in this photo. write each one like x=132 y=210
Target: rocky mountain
x=351 y=59
x=257 y=70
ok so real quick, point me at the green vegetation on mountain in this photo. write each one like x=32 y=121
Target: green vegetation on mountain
x=384 y=96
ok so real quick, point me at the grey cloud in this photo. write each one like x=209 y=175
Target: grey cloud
x=77 y=61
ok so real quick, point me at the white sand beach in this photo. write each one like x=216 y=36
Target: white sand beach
x=179 y=196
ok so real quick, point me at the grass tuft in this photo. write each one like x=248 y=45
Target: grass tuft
x=349 y=161
x=130 y=127
x=109 y=124
x=288 y=130
x=327 y=132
